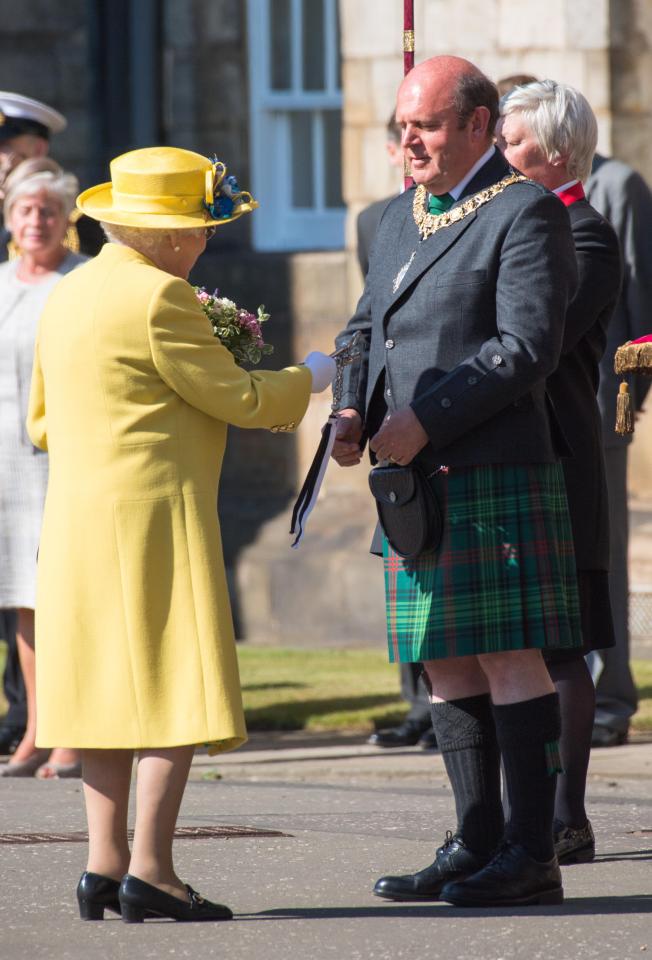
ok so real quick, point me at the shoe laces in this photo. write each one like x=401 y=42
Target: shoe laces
x=502 y=853
x=449 y=840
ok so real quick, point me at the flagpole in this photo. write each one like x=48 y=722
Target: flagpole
x=408 y=63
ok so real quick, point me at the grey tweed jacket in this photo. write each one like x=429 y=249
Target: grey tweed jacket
x=469 y=335
x=624 y=199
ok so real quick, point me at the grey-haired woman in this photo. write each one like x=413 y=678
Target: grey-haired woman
x=37 y=207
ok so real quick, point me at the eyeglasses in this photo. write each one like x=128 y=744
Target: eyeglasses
x=210 y=232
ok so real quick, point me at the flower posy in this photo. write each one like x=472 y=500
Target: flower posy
x=239 y=330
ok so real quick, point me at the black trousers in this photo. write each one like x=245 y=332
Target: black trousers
x=414 y=691
x=14 y=688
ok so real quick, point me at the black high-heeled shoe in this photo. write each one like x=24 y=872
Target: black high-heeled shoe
x=95 y=894
x=139 y=900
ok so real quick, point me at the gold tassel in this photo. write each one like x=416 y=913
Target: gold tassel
x=624 y=411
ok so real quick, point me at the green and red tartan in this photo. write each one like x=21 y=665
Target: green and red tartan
x=503 y=577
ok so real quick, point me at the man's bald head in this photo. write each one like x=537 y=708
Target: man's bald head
x=443 y=68
x=460 y=82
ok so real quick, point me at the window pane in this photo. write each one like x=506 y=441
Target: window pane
x=333 y=158
x=280 y=53
x=303 y=186
x=314 y=77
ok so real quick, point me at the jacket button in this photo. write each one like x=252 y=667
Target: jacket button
x=496 y=359
x=388 y=391
x=446 y=401
x=472 y=380
x=389 y=344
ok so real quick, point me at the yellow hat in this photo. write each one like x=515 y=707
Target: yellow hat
x=166 y=188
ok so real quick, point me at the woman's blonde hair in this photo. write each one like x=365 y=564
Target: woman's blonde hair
x=561 y=119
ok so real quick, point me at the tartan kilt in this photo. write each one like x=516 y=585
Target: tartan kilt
x=503 y=577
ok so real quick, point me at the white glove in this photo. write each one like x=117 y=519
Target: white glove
x=323 y=369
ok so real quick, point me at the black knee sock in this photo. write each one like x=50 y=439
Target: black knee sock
x=466 y=736
x=574 y=685
x=528 y=734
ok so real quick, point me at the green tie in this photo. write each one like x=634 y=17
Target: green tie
x=440 y=204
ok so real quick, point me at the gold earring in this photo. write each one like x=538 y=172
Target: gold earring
x=176 y=249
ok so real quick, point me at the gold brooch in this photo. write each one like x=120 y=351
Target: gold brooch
x=429 y=223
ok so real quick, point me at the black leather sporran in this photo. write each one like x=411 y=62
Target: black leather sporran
x=408 y=509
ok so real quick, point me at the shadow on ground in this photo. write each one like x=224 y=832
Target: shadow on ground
x=572 y=906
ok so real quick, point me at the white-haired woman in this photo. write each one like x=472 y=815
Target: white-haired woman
x=37 y=206
x=550 y=134
x=132 y=395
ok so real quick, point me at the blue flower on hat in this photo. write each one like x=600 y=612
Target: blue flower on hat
x=223 y=195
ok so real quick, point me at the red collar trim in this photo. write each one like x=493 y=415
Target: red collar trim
x=572 y=195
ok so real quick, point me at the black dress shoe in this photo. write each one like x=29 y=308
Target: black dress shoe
x=428 y=740
x=511 y=879
x=95 y=894
x=10 y=737
x=139 y=900
x=453 y=861
x=405 y=735
x=607 y=737
x=573 y=845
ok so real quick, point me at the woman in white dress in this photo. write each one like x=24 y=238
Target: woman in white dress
x=36 y=209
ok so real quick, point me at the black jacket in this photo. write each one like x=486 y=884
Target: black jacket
x=574 y=385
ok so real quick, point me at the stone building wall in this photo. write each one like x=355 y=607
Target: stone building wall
x=44 y=54
x=630 y=81
x=205 y=88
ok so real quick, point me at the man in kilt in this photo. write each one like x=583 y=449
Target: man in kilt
x=463 y=316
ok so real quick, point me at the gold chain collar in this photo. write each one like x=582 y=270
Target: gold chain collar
x=429 y=223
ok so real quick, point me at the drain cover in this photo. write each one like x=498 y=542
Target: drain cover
x=183 y=833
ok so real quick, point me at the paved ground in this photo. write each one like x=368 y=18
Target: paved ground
x=348 y=814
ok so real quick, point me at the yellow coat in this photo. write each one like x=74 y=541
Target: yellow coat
x=131 y=395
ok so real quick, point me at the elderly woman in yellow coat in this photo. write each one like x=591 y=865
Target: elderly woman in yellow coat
x=131 y=396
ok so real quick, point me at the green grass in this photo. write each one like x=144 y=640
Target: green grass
x=643 y=676
x=292 y=689
x=340 y=690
